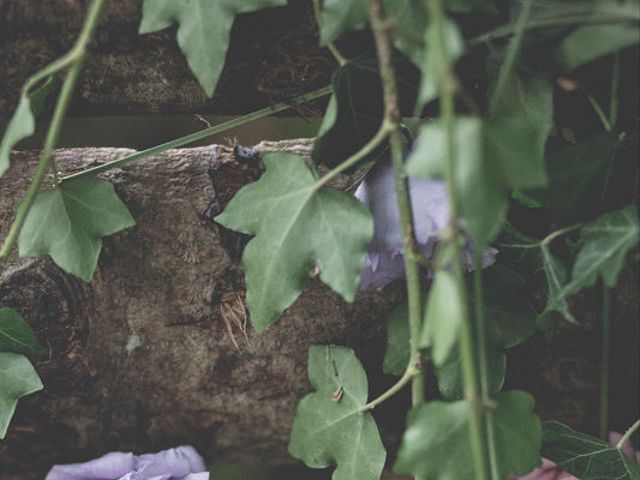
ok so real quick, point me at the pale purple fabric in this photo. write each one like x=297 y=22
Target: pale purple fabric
x=181 y=463
x=429 y=201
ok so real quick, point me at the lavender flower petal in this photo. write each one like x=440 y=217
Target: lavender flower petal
x=429 y=202
x=181 y=463
x=111 y=466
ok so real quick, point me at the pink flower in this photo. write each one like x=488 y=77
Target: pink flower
x=182 y=463
x=551 y=471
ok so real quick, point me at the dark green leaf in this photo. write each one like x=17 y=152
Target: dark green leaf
x=17 y=379
x=68 y=222
x=556 y=275
x=356 y=109
x=397 y=354
x=431 y=65
x=340 y=16
x=605 y=245
x=39 y=96
x=409 y=21
x=510 y=320
x=330 y=426
x=436 y=443
x=577 y=177
x=297 y=227
x=443 y=317
x=483 y=200
x=516 y=135
x=21 y=126
x=203 y=30
x=591 y=41
x=16 y=335
x=586 y=457
x=468 y=6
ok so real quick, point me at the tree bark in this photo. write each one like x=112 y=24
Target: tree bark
x=145 y=357
x=273 y=56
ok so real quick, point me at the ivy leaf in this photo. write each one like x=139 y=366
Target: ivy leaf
x=329 y=425
x=577 y=177
x=17 y=379
x=605 y=245
x=510 y=320
x=468 y=6
x=340 y=16
x=586 y=457
x=482 y=198
x=443 y=316
x=397 y=353
x=556 y=275
x=356 y=109
x=297 y=227
x=16 y=334
x=590 y=41
x=410 y=20
x=436 y=443
x=431 y=65
x=21 y=126
x=66 y=223
x=204 y=27
x=516 y=134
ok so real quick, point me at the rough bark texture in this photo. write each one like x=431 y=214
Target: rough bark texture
x=273 y=55
x=141 y=357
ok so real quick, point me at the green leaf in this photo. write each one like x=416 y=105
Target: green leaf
x=340 y=16
x=483 y=200
x=436 y=443
x=16 y=334
x=356 y=109
x=556 y=275
x=586 y=457
x=605 y=245
x=204 y=27
x=17 y=379
x=431 y=65
x=443 y=317
x=591 y=41
x=409 y=20
x=397 y=354
x=21 y=126
x=510 y=320
x=297 y=227
x=516 y=134
x=329 y=425
x=468 y=6
x=577 y=177
x=66 y=223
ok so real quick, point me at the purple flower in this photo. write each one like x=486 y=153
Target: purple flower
x=429 y=202
x=182 y=463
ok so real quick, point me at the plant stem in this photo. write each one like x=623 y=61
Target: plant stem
x=368 y=148
x=599 y=112
x=202 y=134
x=411 y=256
x=627 y=435
x=604 y=363
x=410 y=373
x=330 y=46
x=512 y=53
x=561 y=21
x=447 y=86
x=66 y=93
x=481 y=329
x=615 y=85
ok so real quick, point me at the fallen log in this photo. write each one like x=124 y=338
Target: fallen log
x=156 y=351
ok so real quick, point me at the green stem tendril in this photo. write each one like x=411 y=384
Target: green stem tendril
x=604 y=363
x=410 y=373
x=627 y=435
x=330 y=46
x=202 y=134
x=392 y=119
x=447 y=88
x=74 y=60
